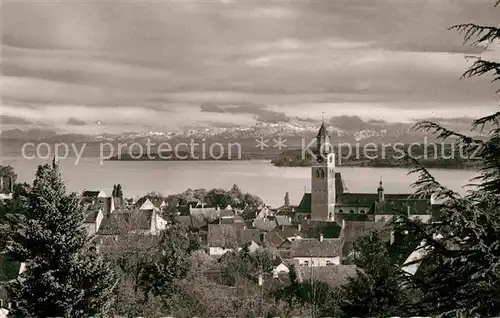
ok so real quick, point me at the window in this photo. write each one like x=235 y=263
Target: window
x=362 y=211
x=330 y=159
x=351 y=211
x=322 y=174
x=329 y=263
x=317 y=173
x=306 y=263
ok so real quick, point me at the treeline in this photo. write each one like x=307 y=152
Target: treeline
x=234 y=197
x=430 y=156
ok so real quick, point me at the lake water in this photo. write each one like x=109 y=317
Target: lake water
x=258 y=177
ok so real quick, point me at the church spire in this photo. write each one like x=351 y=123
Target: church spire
x=380 y=191
x=322 y=138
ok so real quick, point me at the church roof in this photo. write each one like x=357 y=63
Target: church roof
x=305 y=203
x=322 y=130
x=411 y=206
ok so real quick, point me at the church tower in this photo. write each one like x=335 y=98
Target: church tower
x=323 y=179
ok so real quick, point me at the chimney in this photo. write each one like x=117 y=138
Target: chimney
x=11 y=184
x=282 y=227
x=9 y=306
x=262 y=237
x=299 y=227
x=290 y=219
x=408 y=210
x=116 y=238
x=1 y=303
x=343 y=223
x=321 y=237
x=392 y=237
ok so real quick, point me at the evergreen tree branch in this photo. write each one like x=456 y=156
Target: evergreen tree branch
x=480 y=32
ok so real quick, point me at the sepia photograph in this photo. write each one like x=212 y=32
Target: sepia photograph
x=250 y=158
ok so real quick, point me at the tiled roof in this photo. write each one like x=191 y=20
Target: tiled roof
x=283 y=220
x=274 y=239
x=226 y=235
x=249 y=235
x=264 y=225
x=90 y=194
x=223 y=235
x=313 y=247
x=289 y=231
x=305 y=203
x=357 y=199
x=313 y=228
x=93 y=209
x=226 y=213
x=398 y=207
x=334 y=275
x=122 y=222
x=355 y=230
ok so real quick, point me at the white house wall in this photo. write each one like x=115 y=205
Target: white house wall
x=318 y=261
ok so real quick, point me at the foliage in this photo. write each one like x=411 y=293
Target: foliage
x=244 y=265
x=321 y=299
x=215 y=197
x=462 y=272
x=63 y=277
x=170 y=262
x=117 y=191
x=376 y=290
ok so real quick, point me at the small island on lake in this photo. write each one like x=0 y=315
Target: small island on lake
x=435 y=156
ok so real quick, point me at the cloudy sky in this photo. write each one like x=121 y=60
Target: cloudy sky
x=89 y=66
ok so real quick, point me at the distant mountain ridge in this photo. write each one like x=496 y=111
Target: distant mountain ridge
x=342 y=129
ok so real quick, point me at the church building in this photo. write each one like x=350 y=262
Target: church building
x=329 y=199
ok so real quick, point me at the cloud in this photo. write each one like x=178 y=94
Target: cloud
x=137 y=65
x=258 y=111
x=12 y=120
x=75 y=122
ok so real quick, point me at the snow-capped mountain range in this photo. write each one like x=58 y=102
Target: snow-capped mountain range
x=339 y=128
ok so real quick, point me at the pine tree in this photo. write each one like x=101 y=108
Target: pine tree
x=63 y=276
x=462 y=272
x=170 y=263
x=119 y=191
x=376 y=290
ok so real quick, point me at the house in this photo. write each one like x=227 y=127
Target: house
x=280 y=269
x=353 y=230
x=316 y=252
x=135 y=221
x=147 y=206
x=94 y=194
x=223 y=238
x=10 y=269
x=6 y=187
x=335 y=275
x=264 y=224
x=96 y=208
